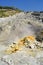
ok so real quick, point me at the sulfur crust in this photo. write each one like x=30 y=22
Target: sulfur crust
x=21 y=43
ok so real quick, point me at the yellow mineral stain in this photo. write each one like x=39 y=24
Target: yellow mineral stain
x=32 y=38
x=21 y=43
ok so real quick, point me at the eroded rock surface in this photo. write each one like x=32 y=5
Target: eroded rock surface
x=21 y=39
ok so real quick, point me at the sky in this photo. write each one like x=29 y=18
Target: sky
x=26 y=5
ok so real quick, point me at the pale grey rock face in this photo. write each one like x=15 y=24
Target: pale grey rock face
x=18 y=26
x=12 y=29
x=21 y=58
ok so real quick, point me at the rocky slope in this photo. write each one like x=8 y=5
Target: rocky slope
x=6 y=11
x=17 y=27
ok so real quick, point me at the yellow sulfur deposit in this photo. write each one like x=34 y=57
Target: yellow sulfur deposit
x=32 y=38
x=25 y=42
x=13 y=48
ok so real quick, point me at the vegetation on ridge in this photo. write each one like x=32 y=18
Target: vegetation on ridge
x=5 y=11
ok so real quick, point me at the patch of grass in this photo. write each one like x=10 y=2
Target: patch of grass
x=7 y=11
